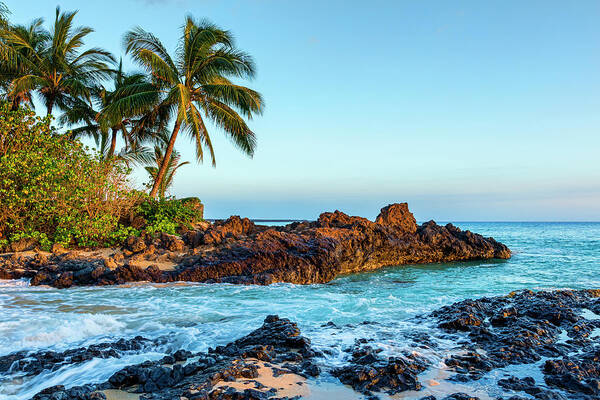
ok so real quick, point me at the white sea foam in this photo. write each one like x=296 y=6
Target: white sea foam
x=93 y=371
x=589 y=314
x=52 y=331
x=16 y=283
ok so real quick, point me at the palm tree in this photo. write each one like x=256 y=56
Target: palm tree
x=195 y=85
x=97 y=124
x=172 y=167
x=60 y=70
x=26 y=41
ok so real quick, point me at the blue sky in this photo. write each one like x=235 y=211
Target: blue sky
x=467 y=110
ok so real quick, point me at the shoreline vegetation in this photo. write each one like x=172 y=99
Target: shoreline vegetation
x=56 y=192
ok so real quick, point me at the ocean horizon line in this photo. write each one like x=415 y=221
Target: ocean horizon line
x=423 y=221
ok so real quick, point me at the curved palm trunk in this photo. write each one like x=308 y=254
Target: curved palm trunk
x=50 y=106
x=165 y=162
x=163 y=190
x=113 y=144
x=16 y=102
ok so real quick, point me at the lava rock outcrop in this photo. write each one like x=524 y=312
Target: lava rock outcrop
x=238 y=251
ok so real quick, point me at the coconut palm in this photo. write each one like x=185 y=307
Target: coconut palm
x=60 y=70
x=99 y=126
x=26 y=40
x=172 y=166
x=195 y=85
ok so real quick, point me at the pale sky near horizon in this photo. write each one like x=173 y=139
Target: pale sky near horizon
x=467 y=110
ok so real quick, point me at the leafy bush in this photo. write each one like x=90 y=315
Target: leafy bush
x=168 y=215
x=54 y=190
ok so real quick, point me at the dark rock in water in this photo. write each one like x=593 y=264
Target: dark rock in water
x=59 y=392
x=552 y=331
x=524 y=327
x=517 y=384
x=33 y=363
x=473 y=364
x=578 y=373
x=230 y=393
x=182 y=355
x=454 y=396
x=460 y=396
x=367 y=372
x=529 y=386
x=530 y=323
x=277 y=340
x=238 y=251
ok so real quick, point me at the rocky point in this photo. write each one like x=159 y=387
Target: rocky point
x=238 y=251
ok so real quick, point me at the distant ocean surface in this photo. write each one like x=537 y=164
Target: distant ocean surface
x=198 y=316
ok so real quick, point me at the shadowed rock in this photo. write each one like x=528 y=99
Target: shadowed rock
x=367 y=372
x=196 y=376
x=33 y=363
x=525 y=327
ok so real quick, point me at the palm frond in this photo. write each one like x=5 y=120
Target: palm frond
x=233 y=125
x=199 y=134
x=134 y=104
x=247 y=101
x=148 y=51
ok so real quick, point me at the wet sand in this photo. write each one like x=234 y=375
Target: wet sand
x=287 y=384
x=115 y=394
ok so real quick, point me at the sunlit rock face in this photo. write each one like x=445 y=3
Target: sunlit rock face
x=398 y=216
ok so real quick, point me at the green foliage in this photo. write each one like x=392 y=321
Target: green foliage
x=177 y=92
x=132 y=127
x=53 y=190
x=121 y=234
x=44 y=242
x=168 y=215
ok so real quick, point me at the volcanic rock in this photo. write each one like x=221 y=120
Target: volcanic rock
x=238 y=251
x=368 y=372
x=278 y=340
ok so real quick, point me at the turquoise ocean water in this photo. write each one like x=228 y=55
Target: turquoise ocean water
x=197 y=316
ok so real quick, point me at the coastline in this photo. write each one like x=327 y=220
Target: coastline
x=238 y=251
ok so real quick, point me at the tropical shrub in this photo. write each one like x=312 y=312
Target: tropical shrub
x=55 y=190
x=168 y=215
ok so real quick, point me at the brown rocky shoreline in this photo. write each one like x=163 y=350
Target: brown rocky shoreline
x=238 y=251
